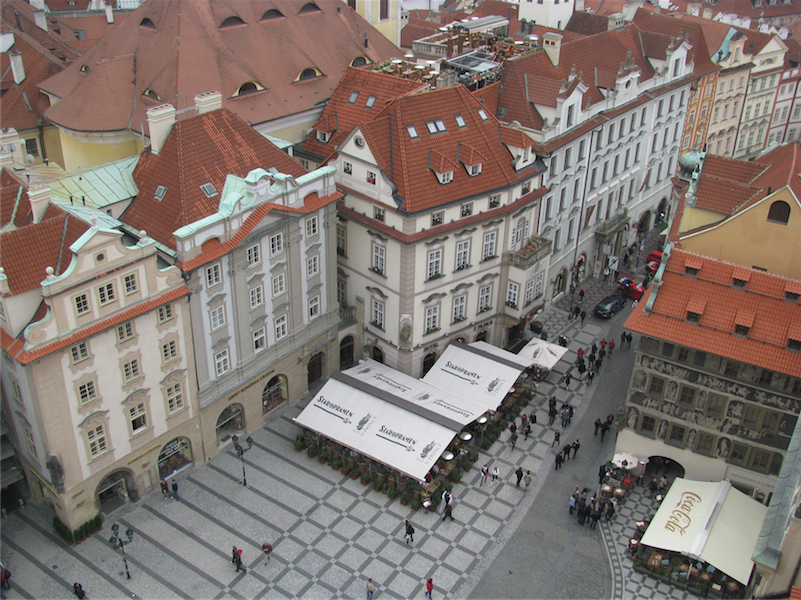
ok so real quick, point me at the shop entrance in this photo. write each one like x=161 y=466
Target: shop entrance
x=230 y=422
x=115 y=490
x=174 y=456
x=346 y=353
x=315 y=370
x=378 y=354
x=428 y=362
x=274 y=394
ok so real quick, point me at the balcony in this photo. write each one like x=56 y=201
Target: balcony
x=537 y=249
x=347 y=316
x=612 y=225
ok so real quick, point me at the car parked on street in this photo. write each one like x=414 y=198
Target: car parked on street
x=631 y=288
x=653 y=261
x=610 y=305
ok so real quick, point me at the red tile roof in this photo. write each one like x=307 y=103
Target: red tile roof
x=203 y=149
x=587 y=23
x=721 y=306
x=408 y=162
x=15 y=346
x=188 y=53
x=51 y=40
x=722 y=196
x=673 y=28
x=784 y=164
x=14 y=203
x=340 y=116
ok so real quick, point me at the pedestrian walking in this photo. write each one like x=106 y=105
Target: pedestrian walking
x=552 y=402
x=594 y=349
x=523 y=420
x=429 y=588
x=583 y=316
x=77 y=589
x=556 y=436
x=566 y=451
x=572 y=503
x=601 y=474
x=175 y=489
x=590 y=375
x=582 y=368
x=512 y=427
x=527 y=479
x=610 y=511
x=603 y=343
x=595 y=515
x=604 y=429
x=484 y=474
x=532 y=418
x=237 y=560
x=611 y=346
x=580 y=353
x=409 y=532
x=165 y=489
x=268 y=550
x=446 y=498
x=597 y=426
x=5 y=580
x=610 y=418
x=569 y=414
x=581 y=295
x=568 y=378
x=565 y=416
x=623 y=340
x=527 y=430
x=581 y=512
x=575 y=445
x=513 y=440
x=558 y=459
x=519 y=475
x=448 y=511
x=628 y=340
x=576 y=311
x=370 y=588
x=552 y=415
x=495 y=474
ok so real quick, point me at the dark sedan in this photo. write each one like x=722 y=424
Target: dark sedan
x=610 y=305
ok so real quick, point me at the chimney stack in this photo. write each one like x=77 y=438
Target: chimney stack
x=552 y=43
x=40 y=18
x=17 y=69
x=160 y=120
x=6 y=40
x=109 y=14
x=38 y=4
x=208 y=101
x=39 y=196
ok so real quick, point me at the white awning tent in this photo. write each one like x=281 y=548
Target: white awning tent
x=376 y=428
x=711 y=522
x=481 y=376
x=501 y=353
x=413 y=394
x=543 y=354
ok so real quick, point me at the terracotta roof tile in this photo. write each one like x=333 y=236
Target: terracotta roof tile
x=587 y=23
x=721 y=196
x=773 y=319
x=203 y=149
x=673 y=28
x=14 y=203
x=109 y=95
x=732 y=169
x=58 y=45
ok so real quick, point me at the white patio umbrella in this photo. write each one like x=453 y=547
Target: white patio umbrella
x=632 y=462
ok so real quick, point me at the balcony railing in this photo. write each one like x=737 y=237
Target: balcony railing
x=536 y=250
x=347 y=316
x=613 y=224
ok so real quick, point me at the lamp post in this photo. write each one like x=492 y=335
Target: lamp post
x=241 y=453
x=118 y=542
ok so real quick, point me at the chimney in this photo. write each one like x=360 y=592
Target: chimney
x=552 y=42
x=109 y=14
x=6 y=41
x=579 y=5
x=11 y=148
x=15 y=57
x=615 y=21
x=38 y=4
x=208 y=101
x=160 y=120
x=707 y=13
x=39 y=195
x=40 y=18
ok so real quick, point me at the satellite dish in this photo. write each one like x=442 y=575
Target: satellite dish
x=29 y=159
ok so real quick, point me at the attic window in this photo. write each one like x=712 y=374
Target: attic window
x=691 y=271
x=739 y=284
x=693 y=317
x=249 y=87
x=147 y=23
x=151 y=93
x=460 y=121
x=779 y=212
x=482 y=114
x=160 y=192
x=309 y=7
x=323 y=136
x=231 y=22
x=209 y=190
x=474 y=170
x=353 y=97
x=791 y=297
x=741 y=330
x=84 y=68
x=360 y=61
x=412 y=131
x=445 y=177
x=435 y=126
x=370 y=102
x=273 y=13
x=309 y=73
x=793 y=345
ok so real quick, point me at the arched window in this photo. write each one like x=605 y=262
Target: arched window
x=779 y=212
x=309 y=7
x=147 y=23
x=378 y=354
x=481 y=336
x=151 y=93
x=231 y=22
x=309 y=73
x=249 y=87
x=346 y=353
x=428 y=362
x=359 y=61
x=273 y=13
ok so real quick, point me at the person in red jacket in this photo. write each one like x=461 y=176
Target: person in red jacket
x=429 y=588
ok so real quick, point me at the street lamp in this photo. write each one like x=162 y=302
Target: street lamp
x=241 y=453
x=117 y=542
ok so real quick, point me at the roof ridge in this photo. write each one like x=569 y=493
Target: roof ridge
x=61 y=246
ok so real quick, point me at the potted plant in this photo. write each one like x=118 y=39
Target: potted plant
x=365 y=479
x=456 y=476
x=404 y=499
x=336 y=464
x=392 y=492
x=486 y=443
x=354 y=473
x=466 y=464
x=377 y=485
x=346 y=470
x=415 y=504
x=312 y=450
x=299 y=444
x=323 y=456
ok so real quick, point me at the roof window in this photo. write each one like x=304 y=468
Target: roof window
x=151 y=93
x=249 y=87
x=353 y=97
x=159 y=193
x=693 y=317
x=412 y=131
x=370 y=102
x=209 y=190
x=308 y=73
x=309 y=7
x=691 y=271
x=360 y=61
x=84 y=68
x=741 y=330
x=147 y=24
x=231 y=22
x=482 y=114
x=323 y=136
x=695 y=308
x=739 y=284
x=273 y=13
x=460 y=121
x=791 y=297
x=436 y=126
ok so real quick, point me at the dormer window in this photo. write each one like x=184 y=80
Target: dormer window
x=249 y=87
x=695 y=308
x=147 y=24
x=474 y=170
x=445 y=177
x=209 y=190
x=151 y=93
x=273 y=13
x=353 y=97
x=160 y=192
x=436 y=126
x=412 y=131
x=791 y=297
x=231 y=22
x=460 y=121
x=482 y=114
x=309 y=7
x=741 y=330
x=323 y=136
x=308 y=73
x=84 y=68
x=691 y=271
x=360 y=61
x=693 y=317
x=738 y=284
x=370 y=102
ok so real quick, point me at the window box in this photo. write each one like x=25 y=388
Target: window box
x=484 y=309
x=486 y=258
x=459 y=319
x=433 y=277
x=462 y=267
x=511 y=305
x=377 y=325
x=432 y=330
x=377 y=270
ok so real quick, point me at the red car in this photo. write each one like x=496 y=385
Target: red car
x=631 y=288
x=653 y=261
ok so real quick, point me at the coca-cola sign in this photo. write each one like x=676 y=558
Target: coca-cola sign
x=680 y=517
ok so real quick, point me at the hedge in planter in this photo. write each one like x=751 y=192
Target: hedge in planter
x=312 y=450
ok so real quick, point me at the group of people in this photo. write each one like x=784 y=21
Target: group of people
x=604 y=426
x=564 y=454
x=591 y=509
x=165 y=489
x=578 y=311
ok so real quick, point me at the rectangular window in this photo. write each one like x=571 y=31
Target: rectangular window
x=254 y=255
x=169 y=351
x=378 y=213
x=656 y=387
x=676 y=437
x=281 y=327
x=611 y=136
x=348 y=168
x=97 y=441
x=138 y=416
x=256 y=296
x=739 y=454
x=79 y=352
x=489 y=245
x=644 y=117
x=312 y=266
x=705 y=444
x=106 y=293
x=462 y=254
x=131 y=284
x=760 y=460
x=594 y=178
x=125 y=332
x=213 y=275
x=342 y=240
x=554 y=164
x=379 y=256
x=434 y=264
x=766 y=377
x=484 y=298
x=378 y=314
x=370 y=178
x=279 y=284
x=217 y=317
x=495 y=201
x=648 y=424
x=637 y=153
x=87 y=392
x=311 y=227
x=130 y=370
x=751 y=416
x=581 y=149
x=562 y=199
x=259 y=340
x=512 y=291
x=221 y=362
x=568 y=157
x=467 y=209
x=276 y=244
x=432 y=318
x=175 y=398
x=165 y=313
x=459 y=308
x=314 y=307
x=529 y=293
x=687 y=396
